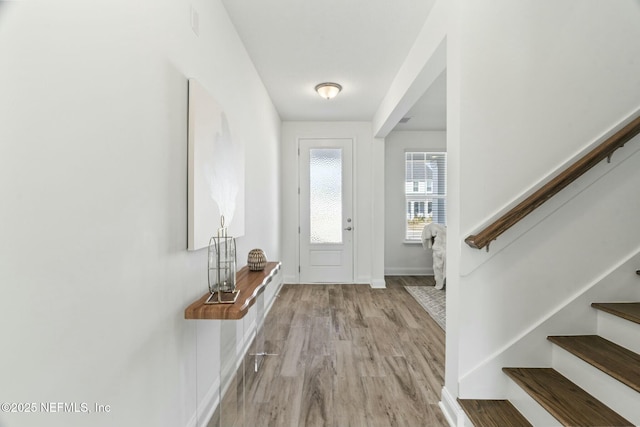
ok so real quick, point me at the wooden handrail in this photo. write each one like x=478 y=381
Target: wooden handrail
x=573 y=172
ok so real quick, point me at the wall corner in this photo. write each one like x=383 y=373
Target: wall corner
x=452 y=411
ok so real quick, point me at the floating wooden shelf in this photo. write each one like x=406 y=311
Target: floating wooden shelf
x=249 y=283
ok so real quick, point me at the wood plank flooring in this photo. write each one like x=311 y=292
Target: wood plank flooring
x=348 y=355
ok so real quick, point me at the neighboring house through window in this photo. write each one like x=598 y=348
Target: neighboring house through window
x=425 y=191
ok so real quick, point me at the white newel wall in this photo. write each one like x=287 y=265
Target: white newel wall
x=539 y=84
x=530 y=86
x=94 y=270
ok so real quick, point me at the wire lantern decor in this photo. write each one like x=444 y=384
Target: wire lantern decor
x=222 y=267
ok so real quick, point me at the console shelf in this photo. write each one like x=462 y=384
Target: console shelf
x=249 y=283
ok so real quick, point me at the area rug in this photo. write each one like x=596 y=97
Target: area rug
x=434 y=302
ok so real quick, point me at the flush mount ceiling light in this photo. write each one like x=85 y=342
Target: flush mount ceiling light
x=328 y=90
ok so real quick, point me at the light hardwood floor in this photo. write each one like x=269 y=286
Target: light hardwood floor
x=348 y=355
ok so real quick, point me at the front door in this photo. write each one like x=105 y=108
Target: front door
x=326 y=221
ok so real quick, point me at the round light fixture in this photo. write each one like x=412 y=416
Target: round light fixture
x=328 y=90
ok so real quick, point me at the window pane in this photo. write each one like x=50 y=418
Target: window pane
x=425 y=190
x=438 y=210
x=325 y=195
x=436 y=173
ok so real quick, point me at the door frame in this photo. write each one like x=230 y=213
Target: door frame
x=354 y=210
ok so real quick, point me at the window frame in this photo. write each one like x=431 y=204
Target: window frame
x=428 y=197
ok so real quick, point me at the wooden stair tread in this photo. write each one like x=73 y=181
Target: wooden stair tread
x=619 y=362
x=493 y=413
x=567 y=402
x=626 y=310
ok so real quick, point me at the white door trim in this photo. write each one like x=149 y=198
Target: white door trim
x=345 y=271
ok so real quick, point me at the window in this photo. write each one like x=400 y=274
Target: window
x=425 y=191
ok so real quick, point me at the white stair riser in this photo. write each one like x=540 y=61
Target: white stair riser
x=529 y=408
x=619 y=330
x=616 y=395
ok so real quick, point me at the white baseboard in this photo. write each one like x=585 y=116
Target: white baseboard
x=206 y=407
x=209 y=403
x=452 y=411
x=408 y=271
x=378 y=284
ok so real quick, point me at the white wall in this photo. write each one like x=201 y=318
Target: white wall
x=539 y=83
x=574 y=316
x=401 y=258
x=530 y=86
x=94 y=270
x=368 y=211
x=425 y=62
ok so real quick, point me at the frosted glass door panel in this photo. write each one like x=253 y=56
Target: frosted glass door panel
x=325 y=195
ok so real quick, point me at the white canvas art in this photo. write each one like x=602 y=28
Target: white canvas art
x=216 y=171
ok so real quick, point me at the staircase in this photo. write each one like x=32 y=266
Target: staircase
x=608 y=373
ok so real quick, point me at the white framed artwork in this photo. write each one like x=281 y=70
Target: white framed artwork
x=215 y=171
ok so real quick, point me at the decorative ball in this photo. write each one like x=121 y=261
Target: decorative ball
x=257 y=260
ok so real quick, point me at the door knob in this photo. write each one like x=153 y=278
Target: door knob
x=348 y=228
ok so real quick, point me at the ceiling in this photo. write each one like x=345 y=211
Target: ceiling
x=360 y=44
x=429 y=112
